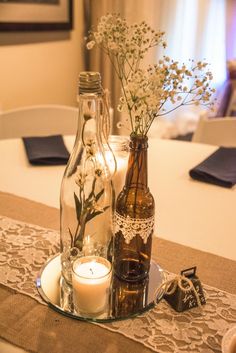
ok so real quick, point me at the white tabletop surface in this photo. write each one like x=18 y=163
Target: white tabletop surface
x=188 y=212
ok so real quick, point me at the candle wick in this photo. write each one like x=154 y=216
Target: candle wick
x=91 y=271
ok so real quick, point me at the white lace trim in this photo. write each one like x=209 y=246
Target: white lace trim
x=131 y=227
x=24 y=249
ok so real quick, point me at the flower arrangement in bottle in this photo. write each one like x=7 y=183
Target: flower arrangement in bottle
x=146 y=95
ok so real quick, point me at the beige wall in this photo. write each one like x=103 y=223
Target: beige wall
x=41 y=68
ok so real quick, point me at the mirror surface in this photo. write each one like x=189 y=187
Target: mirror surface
x=125 y=299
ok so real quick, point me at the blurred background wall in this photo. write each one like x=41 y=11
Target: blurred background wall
x=41 y=67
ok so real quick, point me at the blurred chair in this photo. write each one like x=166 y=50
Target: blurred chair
x=216 y=131
x=38 y=120
x=224 y=98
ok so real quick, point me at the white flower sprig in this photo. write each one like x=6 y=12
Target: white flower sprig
x=147 y=94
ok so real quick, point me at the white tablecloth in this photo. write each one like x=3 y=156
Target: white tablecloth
x=188 y=212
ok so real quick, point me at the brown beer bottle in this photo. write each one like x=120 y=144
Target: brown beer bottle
x=134 y=217
x=128 y=298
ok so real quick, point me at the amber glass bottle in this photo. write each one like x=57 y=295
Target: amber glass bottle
x=128 y=298
x=134 y=217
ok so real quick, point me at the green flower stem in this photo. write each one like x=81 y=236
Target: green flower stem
x=123 y=89
x=82 y=133
x=78 y=242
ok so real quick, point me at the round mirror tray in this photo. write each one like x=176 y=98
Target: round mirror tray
x=125 y=299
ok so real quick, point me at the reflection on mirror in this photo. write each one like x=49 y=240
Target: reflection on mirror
x=123 y=300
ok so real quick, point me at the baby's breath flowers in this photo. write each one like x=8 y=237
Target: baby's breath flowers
x=147 y=94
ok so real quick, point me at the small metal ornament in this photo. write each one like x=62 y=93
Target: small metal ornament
x=185 y=292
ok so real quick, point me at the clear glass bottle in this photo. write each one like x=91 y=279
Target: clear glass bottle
x=86 y=200
x=134 y=217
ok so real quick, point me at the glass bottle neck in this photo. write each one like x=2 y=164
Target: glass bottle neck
x=91 y=140
x=89 y=122
x=137 y=164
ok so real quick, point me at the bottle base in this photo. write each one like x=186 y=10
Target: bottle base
x=130 y=270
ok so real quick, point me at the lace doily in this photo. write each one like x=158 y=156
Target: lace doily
x=130 y=227
x=24 y=249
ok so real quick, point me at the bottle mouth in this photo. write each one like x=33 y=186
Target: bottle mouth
x=135 y=137
x=138 y=142
x=90 y=82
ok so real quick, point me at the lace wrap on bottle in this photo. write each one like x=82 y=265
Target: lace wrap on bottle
x=131 y=227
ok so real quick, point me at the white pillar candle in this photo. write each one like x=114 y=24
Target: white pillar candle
x=91 y=279
x=119 y=145
x=119 y=177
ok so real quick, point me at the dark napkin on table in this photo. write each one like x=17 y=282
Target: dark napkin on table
x=219 y=168
x=46 y=150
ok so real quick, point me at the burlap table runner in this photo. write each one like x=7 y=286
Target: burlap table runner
x=50 y=332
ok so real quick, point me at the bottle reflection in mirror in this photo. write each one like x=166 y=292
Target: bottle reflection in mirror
x=66 y=296
x=128 y=298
